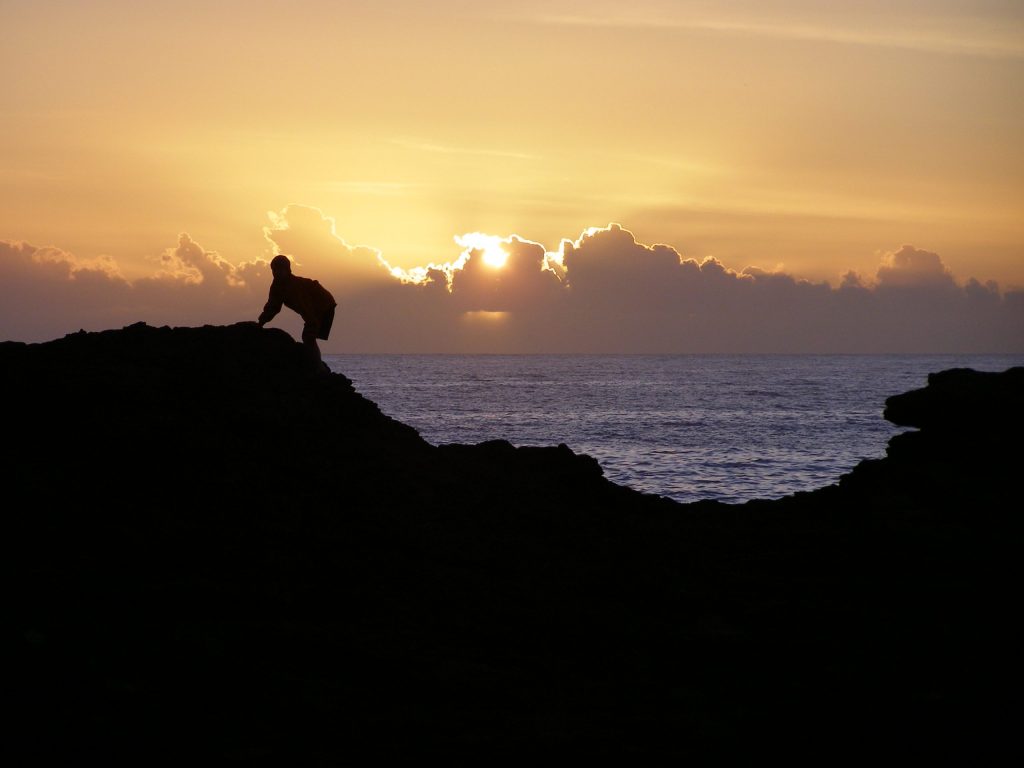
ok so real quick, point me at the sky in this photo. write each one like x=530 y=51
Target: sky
x=564 y=176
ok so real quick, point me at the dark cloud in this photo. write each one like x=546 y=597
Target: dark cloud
x=604 y=292
x=308 y=236
x=521 y=284
x=46 y=292
x=912 y=268
x=610 y=263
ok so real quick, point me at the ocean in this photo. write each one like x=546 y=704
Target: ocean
x=690 y=427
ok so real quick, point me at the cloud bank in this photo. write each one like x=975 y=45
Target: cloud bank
x=602 y=292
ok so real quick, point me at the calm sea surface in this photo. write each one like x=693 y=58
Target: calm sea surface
x=689 y=427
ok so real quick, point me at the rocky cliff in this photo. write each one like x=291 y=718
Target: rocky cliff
x=219 y=552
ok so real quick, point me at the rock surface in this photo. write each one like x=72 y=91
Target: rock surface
x=218 y=552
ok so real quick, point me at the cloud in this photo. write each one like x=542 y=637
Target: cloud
x=189 y=263
x=608 y=262
x=53 y=264
x=912 y=268
x=601 y=292
x=309 y=236
x=997 y=39
x=46 y=292
x=42 y=288
x=442 y=149
x=521 y=282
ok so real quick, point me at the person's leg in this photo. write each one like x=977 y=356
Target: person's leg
x=309 y=334
x=326 y=322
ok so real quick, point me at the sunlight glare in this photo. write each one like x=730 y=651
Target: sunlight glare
x=489 y=247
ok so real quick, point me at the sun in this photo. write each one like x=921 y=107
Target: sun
x=488 y=246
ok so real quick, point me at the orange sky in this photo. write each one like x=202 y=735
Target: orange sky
x=777 y=135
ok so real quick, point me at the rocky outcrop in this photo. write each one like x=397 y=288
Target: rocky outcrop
x=220 y=551
x=962 y=401
x=959 y=465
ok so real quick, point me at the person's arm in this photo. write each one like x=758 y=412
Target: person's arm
x=273 y=305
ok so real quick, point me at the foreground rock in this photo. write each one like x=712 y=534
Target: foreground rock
x=219 y=552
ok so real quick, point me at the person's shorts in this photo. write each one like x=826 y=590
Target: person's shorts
x=325 y=324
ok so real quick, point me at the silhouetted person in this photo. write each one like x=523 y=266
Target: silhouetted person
x=307 y=297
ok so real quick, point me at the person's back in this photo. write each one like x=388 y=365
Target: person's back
x=310 y=300
x=302 y=295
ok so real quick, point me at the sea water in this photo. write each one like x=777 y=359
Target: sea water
x=690 y=427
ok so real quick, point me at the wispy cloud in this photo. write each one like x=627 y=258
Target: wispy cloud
x=444 y=149
x=955 y=40
x=376 y=188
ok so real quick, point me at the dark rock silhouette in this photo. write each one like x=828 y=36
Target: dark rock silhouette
x=218 y=551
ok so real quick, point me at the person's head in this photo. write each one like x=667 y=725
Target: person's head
x=280 y=265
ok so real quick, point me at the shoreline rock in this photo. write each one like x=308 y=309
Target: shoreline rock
x=219 y=552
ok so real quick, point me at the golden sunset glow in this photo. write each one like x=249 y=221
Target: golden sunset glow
x=489 y=247
x=779 y=136
x=486 y=317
